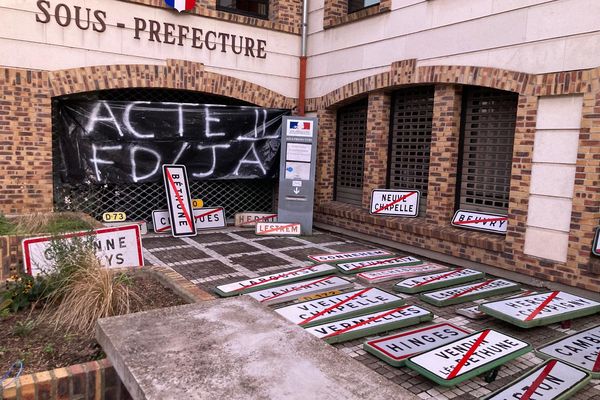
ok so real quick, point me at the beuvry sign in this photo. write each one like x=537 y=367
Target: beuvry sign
x=479 y=221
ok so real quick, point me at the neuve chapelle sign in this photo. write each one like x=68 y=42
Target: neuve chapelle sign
x=144 y=29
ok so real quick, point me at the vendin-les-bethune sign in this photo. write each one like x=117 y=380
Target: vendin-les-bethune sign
x=293 y=291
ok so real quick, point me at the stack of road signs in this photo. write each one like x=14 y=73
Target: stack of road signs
x=278 y=229
x=474 y=312
x=467 y=357
x=389 y=274
x=293 y=291
x=280 y=278
x=370 y=324
x=462 y=294
x=249 y=219
x=395 y=349
x=581 y=349
x=553 y=380
x=378 y=263
x=435 y=281
x=352 y=255
x=333 y=308
x=540 y=309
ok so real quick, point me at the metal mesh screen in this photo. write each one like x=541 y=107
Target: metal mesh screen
x=139 y=200
x=410 y=140
x=351 y=136
x=488 y=133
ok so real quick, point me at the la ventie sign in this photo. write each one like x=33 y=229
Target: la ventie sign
x=114 y=247
x=388 y=274
x=293 y=291
x=435 y=281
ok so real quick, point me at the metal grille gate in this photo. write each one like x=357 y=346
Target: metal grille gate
x=410 y=141
x=139 y=200
x=351 y=136
x=488 y=133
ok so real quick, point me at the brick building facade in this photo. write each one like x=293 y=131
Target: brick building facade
x=373 y=55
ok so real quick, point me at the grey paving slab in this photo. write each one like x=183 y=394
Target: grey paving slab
x=232 y=349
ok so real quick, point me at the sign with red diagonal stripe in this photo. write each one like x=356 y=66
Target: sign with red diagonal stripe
x=553 y=380
x=333 y=308
x=293 y=291
x=581 y=349
x=179 y=201
x=352 y=255
x=467 y=357
x=370 y=324
x=249 y=219
x=462 y=294
x=378 y=263
x=205 y=218
x=435 y=281
x=541 y=308
x=276 y=279
x=278 y=229
x=388 y=274
x=480 y=221
x=399 y=203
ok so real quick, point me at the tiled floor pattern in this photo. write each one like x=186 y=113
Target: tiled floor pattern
x=217 y=257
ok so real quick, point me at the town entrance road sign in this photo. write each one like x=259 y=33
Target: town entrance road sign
x=581 y=350
x=278 y=229
x=114 y=247
x=379 y=263
x=474 y=313
x=350 y=304
x=249 y=219
x=352 y=255
x=280 y=278
x=371 y=324
x=389 y=274
x=293 y=291
x=395 y=349
x=468 y=357
x=209 y=218
x=553 y=380
x=399 y=203
x=540 y=309
x=179 y=201
x=462 y=294
x=436 y=281
x=494 y=223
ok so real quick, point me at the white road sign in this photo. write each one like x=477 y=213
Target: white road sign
x=249 y=219
x=399 y=203
x=179 y=201
x=471 y=353
x=422 y=283
x=495 y=223
x=115 y=248
x=540 y=308
x=581 y=349
x=359 y=266
x=369 y=321
x=353 y=255
x=275 y=279
x=209 y=218
x=278 y=229
x=293 y=291
x=461 y=294
x=389 y=274
x=550 y=381
x=340 y=306
x=394 y=349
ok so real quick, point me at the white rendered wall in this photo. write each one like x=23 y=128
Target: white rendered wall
x=25 y=43
x=553 y=177
x=534 y=36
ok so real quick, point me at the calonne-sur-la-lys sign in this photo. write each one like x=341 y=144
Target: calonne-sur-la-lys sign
x=87 y=19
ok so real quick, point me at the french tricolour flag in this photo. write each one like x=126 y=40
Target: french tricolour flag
x=299 y=125
x=181 y=5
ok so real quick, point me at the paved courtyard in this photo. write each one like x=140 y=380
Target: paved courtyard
x=218 y=257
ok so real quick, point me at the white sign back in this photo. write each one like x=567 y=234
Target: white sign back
x=399 y=203
x=353 y=255
x=495 y=223
x=292 y=291
x=179 y=201
x=389 y=274
x=114 y=247
x=377 y=263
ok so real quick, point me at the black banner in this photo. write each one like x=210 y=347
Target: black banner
x=123 y=142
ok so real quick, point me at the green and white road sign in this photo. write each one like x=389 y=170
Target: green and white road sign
x=468 y=357
x=334 y=308
x=351 y=255
x=462 y=294
x=395 y=349
x=390 y=274
x=379 y=263
x=474 y=313
x=553 y=380
x=540 y=309
x=371 y=324
x=279 y=278
x=293 y=291
x=425 y=283
x=581 y=349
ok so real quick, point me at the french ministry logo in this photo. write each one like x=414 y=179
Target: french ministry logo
x=181 y=5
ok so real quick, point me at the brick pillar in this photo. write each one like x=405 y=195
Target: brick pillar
x=443 y=162
x=376 y=145
x=325 y=173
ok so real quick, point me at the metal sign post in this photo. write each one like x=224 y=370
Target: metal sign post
x=297 y=171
